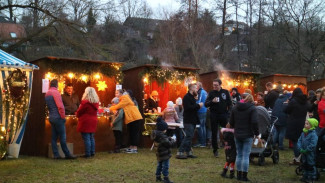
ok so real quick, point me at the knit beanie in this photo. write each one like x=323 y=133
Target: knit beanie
x=161 y=125
x=313 y=123
x=170 y=104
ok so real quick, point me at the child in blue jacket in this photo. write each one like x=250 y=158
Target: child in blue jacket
x=307 y=143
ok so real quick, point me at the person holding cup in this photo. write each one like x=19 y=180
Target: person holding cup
x=219 y=102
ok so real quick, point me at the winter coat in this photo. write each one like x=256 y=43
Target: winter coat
x=308 y=142
x=118 y=120
x=313 y=107
x=54 y=104
x=278 y=111
x=270 y=98
x=131 y=111
x=170 y=116
x=164 y=143
x=320 y=150
x=179 y=113
x=243 y=119
x=151 y=104
x=236 y=98
x=190 y=109
x=297 y=112
x=87 y=117
x=223 y=106
x=230 y=146
x=202 y=96
x=321 y=113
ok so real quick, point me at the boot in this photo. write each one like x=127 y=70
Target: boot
x=158 y=179
x=181 y=155
x=224 y=172
x=244 y=177
x=166 y=180
x=239 y=175
x=190 y=155
x=232 y=174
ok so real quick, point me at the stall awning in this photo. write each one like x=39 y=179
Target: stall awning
x=7 y=60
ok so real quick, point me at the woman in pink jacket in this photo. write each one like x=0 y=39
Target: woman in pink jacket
x=170 y=116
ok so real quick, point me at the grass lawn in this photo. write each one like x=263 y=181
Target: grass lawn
x=105 y=167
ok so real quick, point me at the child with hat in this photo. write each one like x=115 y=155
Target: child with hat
x=307 y=145
x=164 y=143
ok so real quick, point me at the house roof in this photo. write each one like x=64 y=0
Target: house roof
x=5 y=19
x=52 y=58
x=173 y=67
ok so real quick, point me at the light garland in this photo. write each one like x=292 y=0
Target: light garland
x=3 y=141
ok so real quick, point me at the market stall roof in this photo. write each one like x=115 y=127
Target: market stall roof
x=162 y=66
x=285 y=75
x=7 y=60
x=52 y=58
x=232 y=71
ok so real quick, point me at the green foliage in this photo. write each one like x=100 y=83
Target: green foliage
x=91 y=20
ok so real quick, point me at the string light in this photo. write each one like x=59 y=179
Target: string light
x=70 y=75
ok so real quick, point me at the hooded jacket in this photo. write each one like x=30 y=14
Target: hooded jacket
x=308 y=142
x=243 y=119
x=87 y=117
x=270 y=98
x=164 y=143
x=278 y=111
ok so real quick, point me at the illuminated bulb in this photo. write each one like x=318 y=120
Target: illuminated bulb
x=48 y=76
x=97 y=76
x=3 y=129
x=289 y=86
x=1 y=137
x=70 y=75
x=295 y=86
x=145 y=80
x=84 y=78
x=245 y=83
x=274 y=86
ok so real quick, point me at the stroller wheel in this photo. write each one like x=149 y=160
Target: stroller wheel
x=299 y=170
x=261 y=159
x=275 y=157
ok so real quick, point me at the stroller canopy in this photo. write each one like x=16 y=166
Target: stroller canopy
x=263 y=118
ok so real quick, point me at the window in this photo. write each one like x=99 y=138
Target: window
x=13 y=35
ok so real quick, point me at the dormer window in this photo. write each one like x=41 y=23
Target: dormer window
x=13 y=35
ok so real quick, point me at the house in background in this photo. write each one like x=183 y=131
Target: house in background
x=10 y=32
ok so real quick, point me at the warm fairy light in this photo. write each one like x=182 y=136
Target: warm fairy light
x=70 y=75
x=284 y=85
x=295 y=86
x=246 y=83
x=84 y=78
x=274 y=86
x=48 y=76
x=289 y=86
x=3 y=129
x=1 y=137
x=97 y=76
x=145 y=80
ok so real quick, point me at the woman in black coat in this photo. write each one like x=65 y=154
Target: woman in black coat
x=297 y=111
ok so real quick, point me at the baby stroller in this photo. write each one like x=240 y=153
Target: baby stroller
x=320 y=155
x=265 y=126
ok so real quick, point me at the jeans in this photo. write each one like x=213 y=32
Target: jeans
x=89 y=143
x=243 y=148
x=279 y=133
x=296 y=151
x=216 y=121
x=187 y=141
x=163 y=167
x=134 y=132
x=202 y=130
x=58 y=131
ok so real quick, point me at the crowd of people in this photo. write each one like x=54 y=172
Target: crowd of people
x=221 y=119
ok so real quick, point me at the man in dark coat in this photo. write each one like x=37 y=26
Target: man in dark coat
x=281 y=125
x=70 y=100
x=191 y=119
x=219 y=102
x=297 y=112
x=271 y=96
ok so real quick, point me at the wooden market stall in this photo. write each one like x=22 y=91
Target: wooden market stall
x=102 y=75
x=170 y=82
x=287 y=82
x=231 y=79
x=314 y=85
